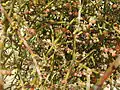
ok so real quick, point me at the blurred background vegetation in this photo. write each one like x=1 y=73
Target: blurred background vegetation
x=72 y=42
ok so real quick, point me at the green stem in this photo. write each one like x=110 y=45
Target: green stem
x=74 y=48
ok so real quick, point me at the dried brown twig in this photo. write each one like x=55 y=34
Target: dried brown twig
x=108 y=72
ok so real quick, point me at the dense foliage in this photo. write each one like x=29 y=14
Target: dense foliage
x=70 y=41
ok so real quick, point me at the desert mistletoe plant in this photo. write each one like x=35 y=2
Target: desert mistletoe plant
x=59 y=44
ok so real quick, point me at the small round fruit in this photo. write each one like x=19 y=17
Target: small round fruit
x=114 y=6
x=70 y=13
x=93 y=21
x=114 y=54
x=63 y=81
x=75 y=74
x=106 y=50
